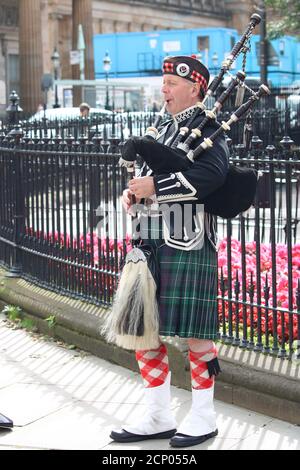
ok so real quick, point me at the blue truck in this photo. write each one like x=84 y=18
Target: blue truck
x=140 y=54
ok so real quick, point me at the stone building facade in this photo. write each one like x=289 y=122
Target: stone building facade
x=31 y=29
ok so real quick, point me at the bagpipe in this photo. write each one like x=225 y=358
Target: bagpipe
x=237 y=193
x=133 y=322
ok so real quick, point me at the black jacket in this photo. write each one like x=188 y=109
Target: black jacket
x=189 y=187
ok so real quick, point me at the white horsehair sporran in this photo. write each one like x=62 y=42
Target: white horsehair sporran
x=133 y=322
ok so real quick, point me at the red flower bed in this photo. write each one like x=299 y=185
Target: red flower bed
x=267 y=319
x=103 y=252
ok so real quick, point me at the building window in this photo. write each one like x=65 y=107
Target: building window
x=203 y=43
x=232 y=42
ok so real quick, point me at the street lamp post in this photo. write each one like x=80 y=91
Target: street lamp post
x=215 y=60
x=263 y=43
x=106 y=68
x=56 y=64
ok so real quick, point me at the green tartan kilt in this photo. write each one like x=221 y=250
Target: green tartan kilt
x=188 y=290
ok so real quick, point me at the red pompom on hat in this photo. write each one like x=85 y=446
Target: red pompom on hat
x=188 y=67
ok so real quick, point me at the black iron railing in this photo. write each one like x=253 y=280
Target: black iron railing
x=259 y=261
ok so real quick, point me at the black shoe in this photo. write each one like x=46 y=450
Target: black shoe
x=124 y=436
x=183 y=440
x=5 y=422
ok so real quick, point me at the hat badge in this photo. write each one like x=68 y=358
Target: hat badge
x=182 y=70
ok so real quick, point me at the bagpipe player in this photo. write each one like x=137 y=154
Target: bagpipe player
x=188 y=267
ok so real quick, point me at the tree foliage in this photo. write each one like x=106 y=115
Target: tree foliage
x=288 y=21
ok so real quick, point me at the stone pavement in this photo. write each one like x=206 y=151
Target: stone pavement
x=61 y=398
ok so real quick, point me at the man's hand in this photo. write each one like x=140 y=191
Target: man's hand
x=142 y=187
x=127 y=200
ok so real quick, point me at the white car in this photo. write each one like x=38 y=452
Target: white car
x=63 y=120
x=58 y=119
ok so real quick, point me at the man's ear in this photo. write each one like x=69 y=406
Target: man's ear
x=196 y=89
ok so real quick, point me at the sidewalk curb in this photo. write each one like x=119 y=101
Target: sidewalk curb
x=254 y=381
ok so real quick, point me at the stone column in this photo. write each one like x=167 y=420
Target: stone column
x=82 y=14
x=31 y=54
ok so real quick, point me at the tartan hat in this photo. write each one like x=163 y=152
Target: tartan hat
x=188 y=67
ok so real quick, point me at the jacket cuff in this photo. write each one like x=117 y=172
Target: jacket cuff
x=174 y=187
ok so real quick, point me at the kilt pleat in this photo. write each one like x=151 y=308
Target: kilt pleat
x=188 y=291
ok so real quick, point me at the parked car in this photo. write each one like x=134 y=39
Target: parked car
x=65 y=113
x=65 y=121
